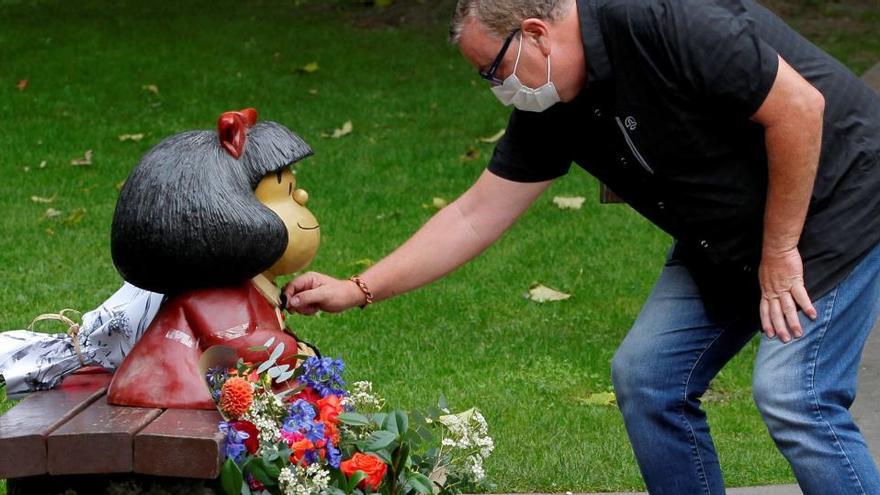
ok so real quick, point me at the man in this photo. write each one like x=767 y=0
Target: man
x=755 y=150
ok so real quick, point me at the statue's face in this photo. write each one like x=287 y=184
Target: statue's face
x=279 y=193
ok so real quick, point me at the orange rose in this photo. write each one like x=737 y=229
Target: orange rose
x=299 y=450
x=372 y=466
x=331 y=432
x=329 y=408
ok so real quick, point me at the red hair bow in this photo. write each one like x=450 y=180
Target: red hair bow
x=232 y=129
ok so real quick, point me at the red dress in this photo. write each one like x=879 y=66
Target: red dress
x=162 y=369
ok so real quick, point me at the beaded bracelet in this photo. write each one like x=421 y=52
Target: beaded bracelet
x=363 y=287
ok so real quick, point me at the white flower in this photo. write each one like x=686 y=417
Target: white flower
x=299 y=480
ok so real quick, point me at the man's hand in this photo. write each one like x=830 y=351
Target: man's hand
x=782 y=292
x=313 y=291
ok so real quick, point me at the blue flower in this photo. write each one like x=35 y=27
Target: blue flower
x=301 y=419
x=216 y=377
x=235 y=448
x=334 y=455
x=324 y=375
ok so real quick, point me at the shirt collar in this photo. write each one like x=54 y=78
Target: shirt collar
x=598 y=65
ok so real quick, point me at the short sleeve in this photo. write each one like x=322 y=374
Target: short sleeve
x=710 y=49
x=535 y=146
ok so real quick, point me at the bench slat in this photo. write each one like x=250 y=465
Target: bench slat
x=184 y=443
x=98 y=440
x=24 y=428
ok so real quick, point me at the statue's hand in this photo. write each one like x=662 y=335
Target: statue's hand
x=313 y=291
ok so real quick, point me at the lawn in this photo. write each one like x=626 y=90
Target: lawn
x=98 y=70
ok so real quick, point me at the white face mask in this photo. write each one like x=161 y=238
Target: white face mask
x=513 y=92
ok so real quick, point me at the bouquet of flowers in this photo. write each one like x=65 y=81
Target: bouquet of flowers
x=301 y=431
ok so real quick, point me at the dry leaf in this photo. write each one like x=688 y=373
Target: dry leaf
x=599 y=399
x=308 y=68
x=313 y=92
x=541 y=293
x=85 y=160
x=22 y=85
x=75 y=216
x=131 y=137
x=569 y=202
x=471 y=154
x=53 y=213
x=151 y=88
x=42 y=164
x=338 y=133
x=494 y=138
x=366 y=262
x=43 y=200
x=119 y=185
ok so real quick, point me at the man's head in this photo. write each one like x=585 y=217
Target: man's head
x=547 y=28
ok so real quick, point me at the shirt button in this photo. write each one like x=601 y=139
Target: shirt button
x=747 y=268
x=597 y=113
x=661 y=205
x=622 y=160
x=704 y=244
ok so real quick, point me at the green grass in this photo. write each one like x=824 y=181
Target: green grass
x=416 y=108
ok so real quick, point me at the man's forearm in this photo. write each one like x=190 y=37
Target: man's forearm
x=793 y=148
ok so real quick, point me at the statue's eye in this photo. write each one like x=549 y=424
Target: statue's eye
x=290 y=189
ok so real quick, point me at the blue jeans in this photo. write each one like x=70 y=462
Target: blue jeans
x=803 y=389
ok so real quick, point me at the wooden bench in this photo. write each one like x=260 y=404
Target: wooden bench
x=70 y=434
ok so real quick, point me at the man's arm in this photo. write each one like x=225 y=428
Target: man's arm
x=792 y=118
x=453 y=236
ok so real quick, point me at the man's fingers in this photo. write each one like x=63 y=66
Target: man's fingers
x=789 y=310
x=766 y=324
x=778 y=320
x=803 y=301
x=306 y=302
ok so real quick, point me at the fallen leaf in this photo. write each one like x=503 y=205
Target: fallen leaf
x=493 y=138
x=26 y=168
x=53 y=213
x=22 y=85
x=313 y=92
x=85 y=160
x=366 y=263
x=42 y=164
x=151 y=88
x=308 y=68
x=569 y=202
x=75 y=216
x=471 y=154
x=338 y=133
x=42 y=199
x=119 y=185
x=436 y=204
x=131 y=137
x=50 y=232
x=541 y=293
x=599 y=399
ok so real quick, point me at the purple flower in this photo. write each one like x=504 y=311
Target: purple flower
x=334 y=455
x=235 y=448
x=301 y=419
x=324 y=375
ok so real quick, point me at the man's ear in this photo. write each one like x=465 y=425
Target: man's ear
x=537 y=31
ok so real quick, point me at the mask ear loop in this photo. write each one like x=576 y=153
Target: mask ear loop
x=548 y=68
x=518 y=53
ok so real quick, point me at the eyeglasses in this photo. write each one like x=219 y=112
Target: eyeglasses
x=489 y=75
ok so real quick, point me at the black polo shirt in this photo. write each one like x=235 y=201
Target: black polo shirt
x=664 y=122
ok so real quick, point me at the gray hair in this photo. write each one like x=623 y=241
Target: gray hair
x=503 y=16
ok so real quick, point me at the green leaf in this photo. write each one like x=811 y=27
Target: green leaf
x=381 y=439
x=384 y=455
x=379 y=418
x=442 y=403
x=420 y=483
x=396 y=422
x=356 y=478
x=245 y=490
x=260 y=470
x=231 y=478
x=354 y=419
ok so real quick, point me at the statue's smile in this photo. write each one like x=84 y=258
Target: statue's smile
x=307 y=228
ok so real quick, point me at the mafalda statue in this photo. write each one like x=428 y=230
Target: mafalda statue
x=210 y=219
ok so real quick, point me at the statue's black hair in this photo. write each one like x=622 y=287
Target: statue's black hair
x=187 y=216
